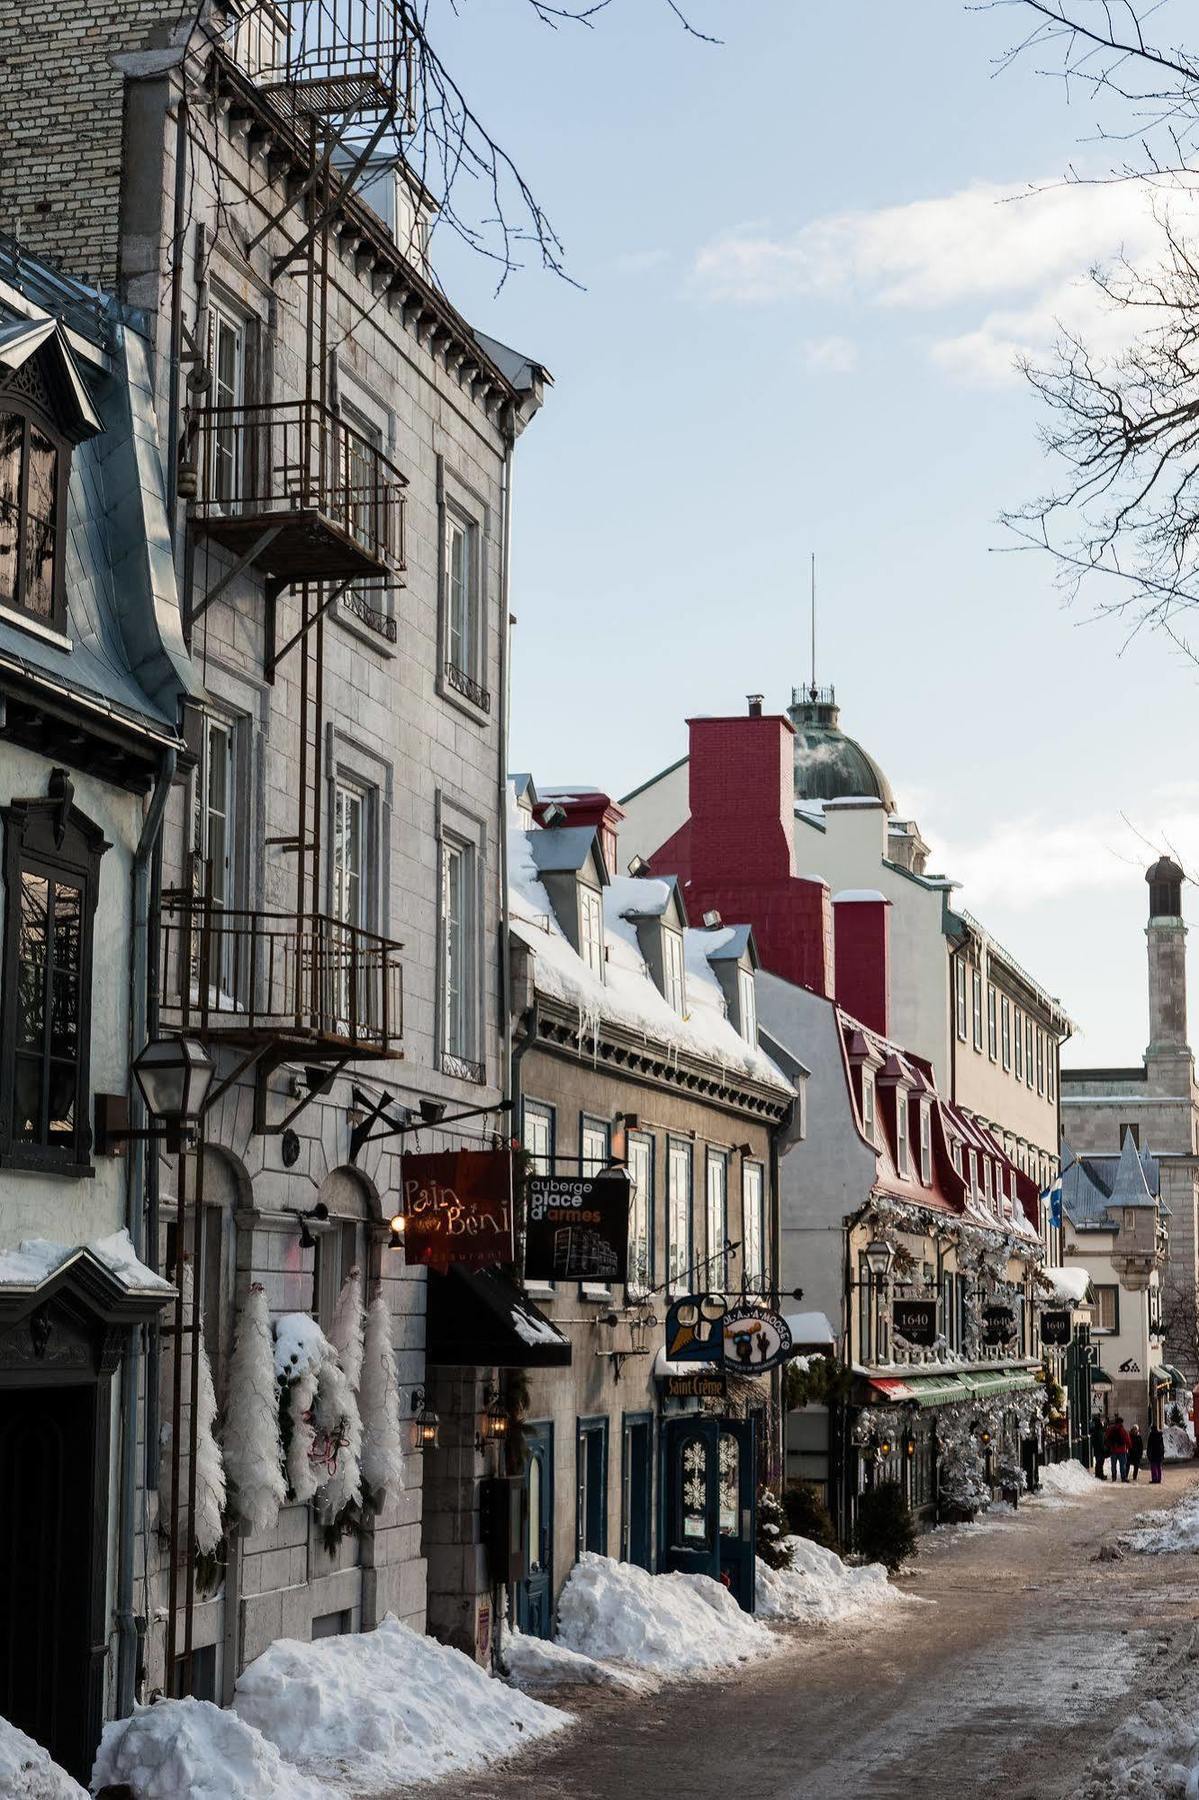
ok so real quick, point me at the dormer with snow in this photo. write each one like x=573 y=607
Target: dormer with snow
x=573 y=872
x=654 y=907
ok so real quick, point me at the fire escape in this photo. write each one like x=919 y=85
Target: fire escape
x=289 y=490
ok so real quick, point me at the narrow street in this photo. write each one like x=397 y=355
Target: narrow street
x=1009 y=1683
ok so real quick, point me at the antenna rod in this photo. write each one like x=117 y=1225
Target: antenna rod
x=813 y=624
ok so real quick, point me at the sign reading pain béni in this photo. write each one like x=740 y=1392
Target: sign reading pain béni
x=577 y=1227
x=458 y=1208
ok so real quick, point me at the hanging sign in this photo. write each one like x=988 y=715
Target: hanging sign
x=693 y=1328
x=915 y=1321
x=999 y=1324
x=577 y=1227
x=458 y=1208
x=697 y=1384
x=756 y=1340
x=1057 y=1328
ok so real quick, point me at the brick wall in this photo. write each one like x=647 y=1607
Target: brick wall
x=863 y=960
x=61 y=125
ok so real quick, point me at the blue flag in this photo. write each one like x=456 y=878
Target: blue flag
x=1053 y=1193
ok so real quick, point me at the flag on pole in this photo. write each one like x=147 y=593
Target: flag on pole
x=1053 y=1194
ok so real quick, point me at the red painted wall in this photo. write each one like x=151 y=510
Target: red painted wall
x=863 y=961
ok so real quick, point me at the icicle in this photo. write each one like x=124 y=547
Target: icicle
x=382 y=1441
x=253 y=1447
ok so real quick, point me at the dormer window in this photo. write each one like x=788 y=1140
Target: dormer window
x=33 y=468
x=903 y=1149
x=673 y=980
x=973 y=1175
x=987 y=1179
x=591 y=930
x=926 y=1144
x=747 y=995
x=868 y=1104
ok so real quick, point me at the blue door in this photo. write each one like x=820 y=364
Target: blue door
x=738 y=1509
x=535 y=1594
x=637 y=1490
x=690 y=1539
x=591 y=1474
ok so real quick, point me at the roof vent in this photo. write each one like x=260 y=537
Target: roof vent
x=755 y=705
x=553 y=815
x=712 y=921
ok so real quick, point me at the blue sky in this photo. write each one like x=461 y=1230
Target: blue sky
x=802 y=290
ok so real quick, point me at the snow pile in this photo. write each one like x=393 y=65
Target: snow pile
x=820 y=1589
x=1180 y=1446
x=27 y=1772
x=533 y=1662
x=369 y=1712
x=1067 y=1478
x=192 y=1747
x=672 y=1624
x=35 y=1259
x=1158 y=1533
x=1068 y=1286
x=1154 y=1755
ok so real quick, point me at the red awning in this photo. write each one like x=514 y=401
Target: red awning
x=892 y=1390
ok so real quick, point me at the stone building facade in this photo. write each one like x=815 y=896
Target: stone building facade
x=337 y=445
x=1157 y=1103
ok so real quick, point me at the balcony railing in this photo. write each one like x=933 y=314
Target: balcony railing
x=310 y=982
x=468 y=687
x=336 y=60
x=311 y=498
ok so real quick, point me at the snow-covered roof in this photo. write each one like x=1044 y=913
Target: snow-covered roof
x=565 y=849
x=1069 y=1284
x=849 y=896
x=809 y=1328
x=35 y=1260
x=627 y=995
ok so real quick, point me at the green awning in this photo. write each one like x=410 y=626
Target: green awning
x=1100 y=1377
x=987 y=1384
x=938 y=1390
x=1178 y=1382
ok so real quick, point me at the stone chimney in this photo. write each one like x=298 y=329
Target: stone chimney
x=1167 y=938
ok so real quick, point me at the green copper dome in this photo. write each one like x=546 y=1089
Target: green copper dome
x=829 y=765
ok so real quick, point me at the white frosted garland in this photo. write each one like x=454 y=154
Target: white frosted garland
x=339 y=1427
x=252 y=1443
x=346 y=1331
x=379 y=1395
x=300 y=1349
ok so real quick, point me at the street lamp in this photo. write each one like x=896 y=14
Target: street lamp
x=174 y=1075
x=879 y=1254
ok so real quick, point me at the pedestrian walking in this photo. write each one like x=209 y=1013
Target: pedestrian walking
x=1119 y=1445
x=1136 y=1454
x=1098 y=1445
x=1155 y=1450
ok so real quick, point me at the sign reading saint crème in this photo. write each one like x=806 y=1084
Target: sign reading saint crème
x=1056 y=1328
x=697 y=1384
x=577 y=1227
x=915 y=1321
x=458 y=1208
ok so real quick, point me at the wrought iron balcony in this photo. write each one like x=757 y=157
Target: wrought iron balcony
x=306 y=983
x=300 y=492
x=339 y=61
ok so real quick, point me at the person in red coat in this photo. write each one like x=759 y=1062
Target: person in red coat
x=1118 y=1444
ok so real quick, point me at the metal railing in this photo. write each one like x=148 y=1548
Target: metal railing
x=373 y=617
x=467 y=686
x=262 y=974
x=297 y=455
x=337 y=57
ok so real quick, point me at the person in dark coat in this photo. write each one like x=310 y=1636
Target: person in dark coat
x=1155 y=1451
x=1136 y=1454
x=1098 y=1445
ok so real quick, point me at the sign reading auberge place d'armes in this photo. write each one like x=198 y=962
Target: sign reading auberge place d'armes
x=577 y=1227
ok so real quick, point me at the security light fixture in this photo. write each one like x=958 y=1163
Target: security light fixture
x=553 y=815
x=880 y=1254
x=712 y=921
x=396 y=1224
x=496 y=1420
x=174 y=1075
x=638 y=867
x=884 y=1446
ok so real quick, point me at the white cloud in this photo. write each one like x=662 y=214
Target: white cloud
x=1019 y=263
x=830 y=355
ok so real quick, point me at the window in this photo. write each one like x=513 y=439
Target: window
x=753 y=1227
x=227 y=360
x=641 y=1214
x=1131 y=1128
x=987 y=1179
x=868 y=1104
x=973 y=1175
x=673 y=982
x=1050 y=1069
x=903 y=1148
x=1028 y=1052
x=34 y=463
x=678 y=1214
x=539 y=1136
x=462 y=597
x=926 y=1143
x=350 y=889
x=340 y=1250
x=591 y=1469
x=1019 y=1042
x=215 y=826
x=960 y=996
x=992 y=1025
x=1040 y=1061
x=977 y=985
x=1105 y=1309
x=593 y=1146
x=1006 y=1034
x=51 y=875
x=747 y=996
x=458 y=956
x=591 y=929
x=717 y=1218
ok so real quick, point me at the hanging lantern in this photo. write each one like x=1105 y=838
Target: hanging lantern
x=396 y=1226
x=425 y=1423
x=909 y=1446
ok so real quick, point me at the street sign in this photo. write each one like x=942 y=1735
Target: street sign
x=458 y=1208
x=999 y=1324
x=693 y=1328
x=756 y=1340
x=1057 y=1328
x=697 y=1384
x=577 y=1227
x=916 y=1321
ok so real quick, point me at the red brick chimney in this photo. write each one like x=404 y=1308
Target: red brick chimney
x=863 y=961
x=587 y=807
x=735 y=855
